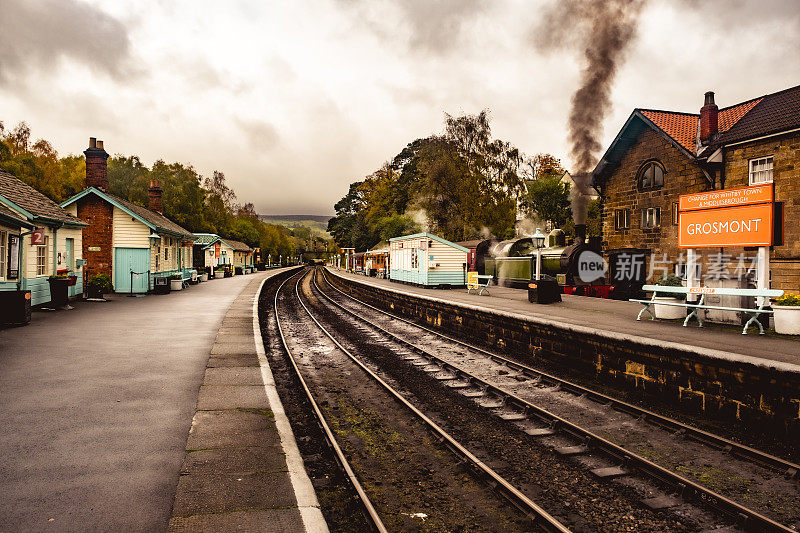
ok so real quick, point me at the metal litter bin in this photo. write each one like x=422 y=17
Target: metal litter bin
x=161 y=285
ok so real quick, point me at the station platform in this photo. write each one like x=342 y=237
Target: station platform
x=619 y=318
x=96 y=404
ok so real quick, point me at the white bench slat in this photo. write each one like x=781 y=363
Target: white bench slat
x=769 y=293
x=704 y=306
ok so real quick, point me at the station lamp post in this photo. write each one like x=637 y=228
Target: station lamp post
x=538 y=241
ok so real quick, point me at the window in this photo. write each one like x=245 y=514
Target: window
x=158 y=254
x=166 y=253
x=650 y=176
x=3 y=248
x=622 y=218
x=651 y=217
x=676 y=217
x=761 y=170
x=41 y=258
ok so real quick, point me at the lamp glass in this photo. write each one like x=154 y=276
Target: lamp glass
x=538 y=238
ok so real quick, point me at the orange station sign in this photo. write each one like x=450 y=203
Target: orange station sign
x=757 y=194
x=728 y=217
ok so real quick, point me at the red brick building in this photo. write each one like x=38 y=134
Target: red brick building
x=129 y=243
x=660 y=155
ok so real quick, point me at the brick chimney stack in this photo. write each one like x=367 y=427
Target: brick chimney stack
x=155 y=197
x=709 y=118
x=96 y=165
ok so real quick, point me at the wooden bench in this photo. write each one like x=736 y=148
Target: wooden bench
x=753 y=313
x=482 y=284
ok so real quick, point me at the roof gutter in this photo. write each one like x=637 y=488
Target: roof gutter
x=760 y=138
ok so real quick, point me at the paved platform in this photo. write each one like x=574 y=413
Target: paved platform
x=616 y=317
x=96 y=404
x=242 y=469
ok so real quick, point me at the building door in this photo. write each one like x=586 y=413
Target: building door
x=69 y=259
x=127 y=260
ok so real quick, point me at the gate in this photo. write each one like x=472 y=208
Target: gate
x=127 y=260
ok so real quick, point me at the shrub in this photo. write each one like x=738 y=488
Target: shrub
x=670 y=281
x=101 y=283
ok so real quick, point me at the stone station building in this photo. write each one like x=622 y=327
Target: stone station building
x=659 y=155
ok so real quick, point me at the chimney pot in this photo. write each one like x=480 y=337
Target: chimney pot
x=154 y=197
x=709 y=118
x=96 y=165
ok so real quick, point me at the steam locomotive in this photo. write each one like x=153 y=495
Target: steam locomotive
x=513 y=262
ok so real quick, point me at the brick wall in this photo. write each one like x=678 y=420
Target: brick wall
x=99 y=215
x=684 y=177
x=622 y=192
x=694 y=382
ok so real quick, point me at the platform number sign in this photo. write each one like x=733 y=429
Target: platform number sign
x=37 y=237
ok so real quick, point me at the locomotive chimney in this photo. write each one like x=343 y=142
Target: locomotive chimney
x=96 y=165
x=580 y=233
x=709 y=118
x=154 y=196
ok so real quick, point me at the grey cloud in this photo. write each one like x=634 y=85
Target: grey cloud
x=262 y=136
x=38 y=34
x=436 y=27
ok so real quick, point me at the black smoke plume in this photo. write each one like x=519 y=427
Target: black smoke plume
x=603 y=29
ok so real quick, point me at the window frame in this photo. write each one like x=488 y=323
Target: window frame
x=676 y=214
x=646 y=218
x=641 y=171
x=622 y=219
x=751 y=172
x=41 y=253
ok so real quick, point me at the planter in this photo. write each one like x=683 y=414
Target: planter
x=669 y=312
x=176 y=284
x=204 y=276
x=94 y=292
x=787 y=319
x=59 y=291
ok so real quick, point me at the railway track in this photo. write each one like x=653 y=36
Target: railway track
x=539 y=516
x=541 y=423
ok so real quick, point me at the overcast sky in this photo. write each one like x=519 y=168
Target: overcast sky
x=294 y=100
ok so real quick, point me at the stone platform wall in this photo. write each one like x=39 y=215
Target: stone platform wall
x=714 y=384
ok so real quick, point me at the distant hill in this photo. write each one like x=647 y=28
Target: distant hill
x=317 y=218
x=316 y=223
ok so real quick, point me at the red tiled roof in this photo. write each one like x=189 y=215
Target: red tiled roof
x=682 y=127
x=731 y=115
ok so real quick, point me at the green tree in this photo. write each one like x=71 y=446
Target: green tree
x=547 y=198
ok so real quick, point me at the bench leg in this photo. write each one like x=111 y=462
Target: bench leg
x=753 y=319
x=646 y=308
x=695 y=315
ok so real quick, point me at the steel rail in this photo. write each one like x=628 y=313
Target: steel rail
x=752 y=520
x=766 y=460
x=373 y=516
x=520 y=500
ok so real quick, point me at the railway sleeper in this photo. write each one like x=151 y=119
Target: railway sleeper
x=664 y=501
x=609 y=472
